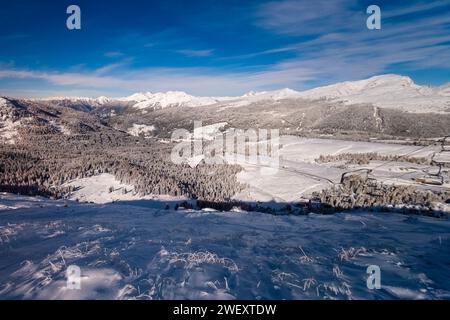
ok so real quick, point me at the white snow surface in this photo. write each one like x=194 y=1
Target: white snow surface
x=96 y=189
x=166 y=99
x=254 y=97
x=141 y=129
x=299 y=175
x=135 y=250
x=178 y=98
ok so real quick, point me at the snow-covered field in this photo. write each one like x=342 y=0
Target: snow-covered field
x=299 y=174
x=307 y=150
x=105 y=188
x=134 y=251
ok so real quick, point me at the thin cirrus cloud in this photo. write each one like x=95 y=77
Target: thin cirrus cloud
x=297 y=17
x=343 y=48
x=114 y=54
x=193 y=80
x=195 y=53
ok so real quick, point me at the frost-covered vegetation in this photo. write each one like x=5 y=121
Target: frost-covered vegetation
x=43 y=159
x=131 y=251
x=44 y=168
x=366 y=158
x=360 y=192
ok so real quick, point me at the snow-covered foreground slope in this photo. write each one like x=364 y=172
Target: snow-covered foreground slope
x=134 y=251
x=387 y=91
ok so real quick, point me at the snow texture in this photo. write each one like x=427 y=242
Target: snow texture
x=104 y=188
x=141 y=129
x=170 y=98
x=132 y=250
x=299 y=175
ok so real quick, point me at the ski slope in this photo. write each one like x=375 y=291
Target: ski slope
x=137 y=250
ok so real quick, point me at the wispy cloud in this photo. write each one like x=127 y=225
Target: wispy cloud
x=341 y=46
x=114 y=54
x=299 y=17
x=195 y=53
x=193 y=80
x=104 y=70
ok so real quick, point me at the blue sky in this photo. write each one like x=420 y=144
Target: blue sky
x=216 y=47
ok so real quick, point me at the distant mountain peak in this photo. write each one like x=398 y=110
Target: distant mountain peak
x=389 y=91
x=166 y=99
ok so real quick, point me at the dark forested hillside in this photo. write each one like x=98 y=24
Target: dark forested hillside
x=44 y=157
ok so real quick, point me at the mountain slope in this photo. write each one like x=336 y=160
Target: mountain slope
x=163 y=100
x=22 y=119
x=387 y=91
x=388 y=106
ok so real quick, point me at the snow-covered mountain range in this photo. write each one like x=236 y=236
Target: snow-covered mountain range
x=389 y=105
x=166 y=99
x=385 y=91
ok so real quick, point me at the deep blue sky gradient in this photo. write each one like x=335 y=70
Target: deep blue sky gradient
x=216 y=47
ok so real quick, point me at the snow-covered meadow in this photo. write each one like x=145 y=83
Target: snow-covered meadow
x=138 y=250
x=299 y=175
x=105 y=188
